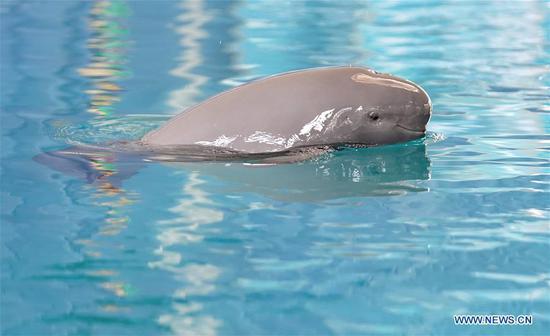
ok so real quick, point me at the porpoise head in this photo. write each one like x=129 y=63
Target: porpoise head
x=391 y=110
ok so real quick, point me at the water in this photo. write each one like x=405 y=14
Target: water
x=392 y=240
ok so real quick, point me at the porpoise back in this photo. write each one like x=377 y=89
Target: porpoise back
x=324 y=106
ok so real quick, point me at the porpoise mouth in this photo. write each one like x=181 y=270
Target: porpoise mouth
x=412 y=130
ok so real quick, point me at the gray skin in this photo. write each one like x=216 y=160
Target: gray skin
x=323 y=106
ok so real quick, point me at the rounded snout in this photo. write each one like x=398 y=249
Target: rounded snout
x=424 y=107
x=417 y=112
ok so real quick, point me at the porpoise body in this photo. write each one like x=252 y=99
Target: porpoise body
x=285 y=118
x=322 y=106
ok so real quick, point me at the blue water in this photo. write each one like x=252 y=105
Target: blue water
x=390 y=240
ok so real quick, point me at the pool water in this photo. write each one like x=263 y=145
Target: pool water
x=388 y=240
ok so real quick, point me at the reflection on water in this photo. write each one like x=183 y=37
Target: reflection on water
x=389 y=240
x=350 y=172
x=108 y=46
x=303 y=34
x=192 y=212
x=189 y=26
x=382 y=171
x=207 y=32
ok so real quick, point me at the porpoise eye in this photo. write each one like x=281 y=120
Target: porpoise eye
x=374 y=116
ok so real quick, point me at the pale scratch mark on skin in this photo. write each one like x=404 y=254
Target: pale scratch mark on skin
x=336 y=118
x=292 y=140
x=267 y=138
x=317 y=123
x=326 y=120
x=221 y=141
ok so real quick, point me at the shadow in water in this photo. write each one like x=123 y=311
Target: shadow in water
x=302 y=175
x=389 y=170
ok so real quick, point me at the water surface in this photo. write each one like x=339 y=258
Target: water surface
x=389 y=240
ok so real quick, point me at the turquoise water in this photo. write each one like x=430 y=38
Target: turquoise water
x=389 y=240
